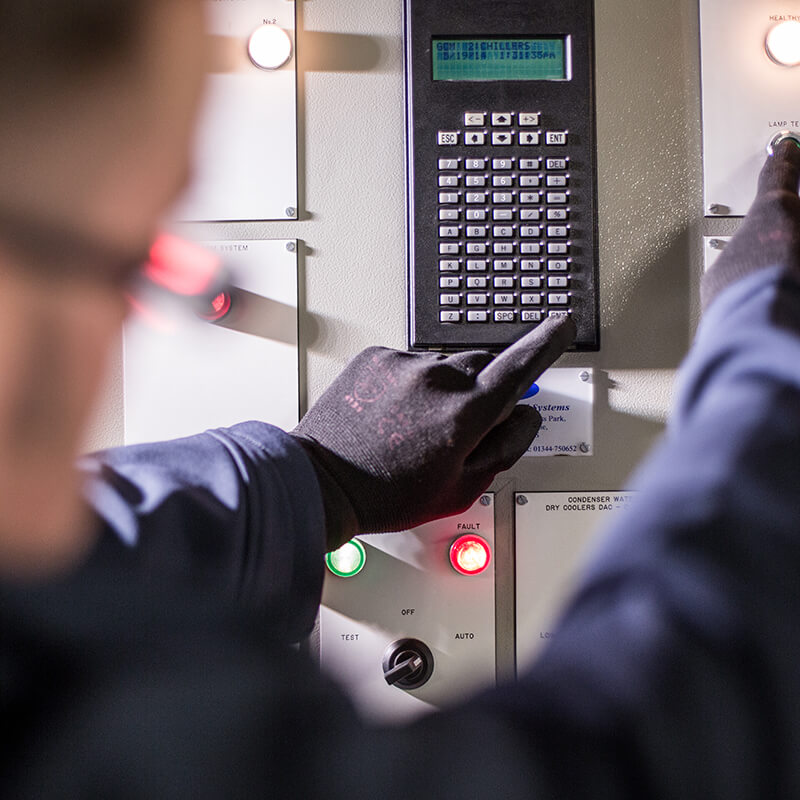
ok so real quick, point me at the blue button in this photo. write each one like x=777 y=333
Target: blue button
x=532 y=392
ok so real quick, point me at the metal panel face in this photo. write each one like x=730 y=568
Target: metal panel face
x=183 y=375
x=747 y=96
x=409 y=589
x=246 y=146
x=553 y=533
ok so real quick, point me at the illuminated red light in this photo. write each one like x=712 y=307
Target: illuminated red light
x=218 y=307
x=470 y=554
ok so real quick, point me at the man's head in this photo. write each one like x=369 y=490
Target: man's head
x=99 y=100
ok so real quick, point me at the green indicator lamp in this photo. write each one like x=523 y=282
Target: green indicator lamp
x=348 y=560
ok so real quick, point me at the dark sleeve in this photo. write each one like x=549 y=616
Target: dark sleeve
x=233 y=511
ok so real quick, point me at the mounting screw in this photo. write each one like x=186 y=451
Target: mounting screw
x=291 y=211
x=522 y=500
x=584 y=376
x=291 y=247
x=717 y=244
x=583 y=447
x=485 y=500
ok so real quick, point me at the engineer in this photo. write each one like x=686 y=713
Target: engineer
x=146 y=635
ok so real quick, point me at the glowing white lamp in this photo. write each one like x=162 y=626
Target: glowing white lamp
x=269 y=47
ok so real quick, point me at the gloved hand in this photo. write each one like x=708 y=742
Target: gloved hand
x=770 y=233
x=402 y=438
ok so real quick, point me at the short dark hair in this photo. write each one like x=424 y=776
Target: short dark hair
x=63 y=38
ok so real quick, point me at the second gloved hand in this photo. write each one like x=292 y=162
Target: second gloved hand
x=403 y=438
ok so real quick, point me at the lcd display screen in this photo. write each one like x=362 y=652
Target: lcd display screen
x=500 y=59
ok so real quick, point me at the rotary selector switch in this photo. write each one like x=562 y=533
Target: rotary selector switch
x=407 y=664
x=783 y=43
x=269 y=47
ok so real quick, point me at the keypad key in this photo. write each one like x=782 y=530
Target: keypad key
x=556 y=138
x=528 y=138
x=474 y=137
x=503 y=231
x=449 y=265
x=531 y=281
x=476 y=248
x=476 y=231
x=450 y=282
x=503 y=214
x=449 y=231
x=505 y=299
x=477 y=316
x=502 y=197
x=557 y=181
x=557 y=198
x=530 y=264
x=448 y=197
x=530 y=198
x=447 y=138
x=557 y=265
x=508 y=315
x=557 y=214
x=449 y=180
x=530 y=231
x=531 y=299
x=556 y=163
x=449 y=299
x=502 y=180
x=530 y=163
x=529 y=214
x=564 y=312
x=503 y=265
x=477 y=282
x=449 y=316
x=503 y=283
x=531 y=316
x=502 y=163
x=558 y=231
x=475 y=180
x=475 y=163
x=474 y=119
x=449 y=248
x=557 y=248
x=477 y=299
x=476 y=214
x=501 y=139
x=476 y=265
x=557 y=282
x=528 y=118
x=502 y=118
x=476 y=197
x=558 y=299
x=530 y=248
x=449 y=214
x=529 y=180
x=448 y=163
x=503 y=248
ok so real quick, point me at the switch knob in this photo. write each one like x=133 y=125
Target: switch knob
x=269 y=47
x=407 y=664
x=783 y=43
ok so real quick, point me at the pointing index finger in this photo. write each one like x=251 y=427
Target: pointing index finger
x=515 y=369
x=781 y=172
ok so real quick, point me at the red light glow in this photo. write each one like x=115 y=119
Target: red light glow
x=470 y=554
x=218 y=308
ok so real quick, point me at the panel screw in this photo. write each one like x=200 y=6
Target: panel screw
x=485 y=500
x=584 y=376
x=522 y=500
x=291 y=211
x=291 y=247
x=717 y=244
x=583 y=447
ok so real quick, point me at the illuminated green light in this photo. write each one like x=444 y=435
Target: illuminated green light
x=348 y=560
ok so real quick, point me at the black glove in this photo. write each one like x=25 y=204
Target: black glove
x=402 y=438
x=770 y=233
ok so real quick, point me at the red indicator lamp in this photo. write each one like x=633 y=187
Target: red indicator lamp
x=217 y=308
x=470 y=554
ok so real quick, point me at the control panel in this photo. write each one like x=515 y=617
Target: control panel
x=501 y=170
x=750 y=52
x=407 y=622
